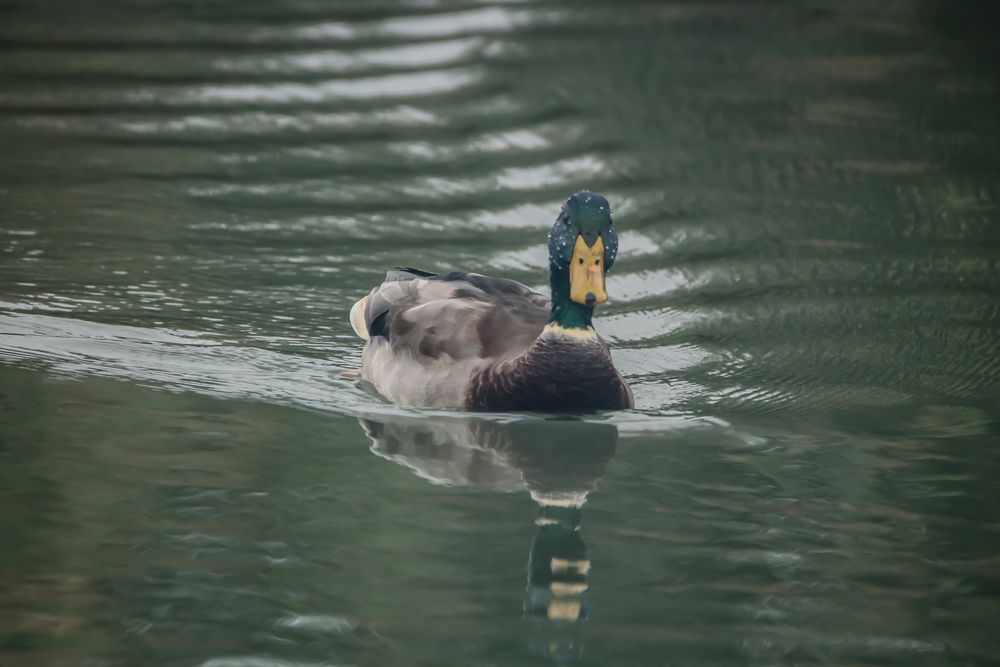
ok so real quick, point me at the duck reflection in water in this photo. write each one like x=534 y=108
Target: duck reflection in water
x=559 y=462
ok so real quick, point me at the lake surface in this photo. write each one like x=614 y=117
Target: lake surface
x=806 y=303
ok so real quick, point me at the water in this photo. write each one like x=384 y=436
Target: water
x=193 y=194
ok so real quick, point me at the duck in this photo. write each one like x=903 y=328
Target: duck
x=479 y=343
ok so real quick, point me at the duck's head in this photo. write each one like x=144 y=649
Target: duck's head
x=582 y=248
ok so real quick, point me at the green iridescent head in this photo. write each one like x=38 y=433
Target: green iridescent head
x=583 y=245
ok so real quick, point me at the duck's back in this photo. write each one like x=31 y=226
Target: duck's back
x=429 y=334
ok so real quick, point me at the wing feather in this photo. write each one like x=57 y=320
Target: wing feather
x=458 y=315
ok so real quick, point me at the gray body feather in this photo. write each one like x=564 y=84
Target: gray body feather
x=468 y=341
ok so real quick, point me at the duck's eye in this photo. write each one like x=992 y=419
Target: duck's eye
x=597 y=262
x=581 y=260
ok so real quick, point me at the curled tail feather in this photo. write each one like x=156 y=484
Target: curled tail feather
x=358 y=318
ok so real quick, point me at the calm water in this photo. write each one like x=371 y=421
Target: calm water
x=807 y=305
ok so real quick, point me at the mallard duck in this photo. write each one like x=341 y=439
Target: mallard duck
x=469 y=341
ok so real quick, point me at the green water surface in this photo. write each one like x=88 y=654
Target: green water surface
x=806 y=303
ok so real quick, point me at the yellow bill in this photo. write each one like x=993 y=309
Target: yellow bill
x=586 y=273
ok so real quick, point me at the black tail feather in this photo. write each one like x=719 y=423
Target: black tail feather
x=417 y=272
